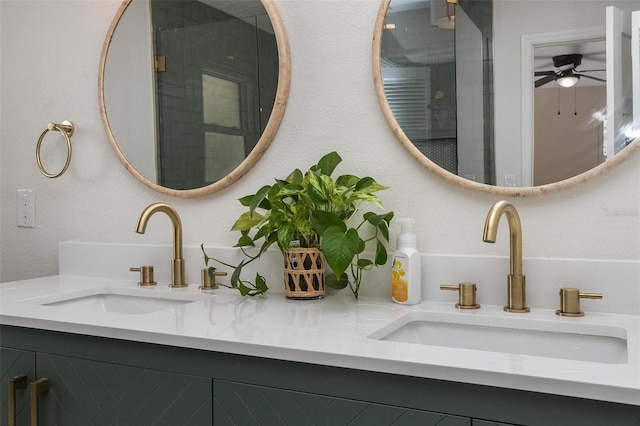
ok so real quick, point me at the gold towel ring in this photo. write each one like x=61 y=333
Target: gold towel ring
x=66 y=128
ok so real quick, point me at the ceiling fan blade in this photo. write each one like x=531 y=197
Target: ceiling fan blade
x=592 y=78
x=545 y=80
x=602 y=70
x=539 y=73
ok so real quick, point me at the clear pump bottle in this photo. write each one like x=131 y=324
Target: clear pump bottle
x=406 y=280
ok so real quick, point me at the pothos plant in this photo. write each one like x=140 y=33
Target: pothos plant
x=315 y=210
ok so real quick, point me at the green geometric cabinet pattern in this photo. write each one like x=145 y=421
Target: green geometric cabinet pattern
x=247 y=405
x=84 y=392
x=12 y=364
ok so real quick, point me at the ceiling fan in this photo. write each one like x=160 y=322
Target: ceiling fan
x=565 y=74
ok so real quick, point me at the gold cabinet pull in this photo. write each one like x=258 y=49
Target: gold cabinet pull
x=36 y=388
x=17 y=382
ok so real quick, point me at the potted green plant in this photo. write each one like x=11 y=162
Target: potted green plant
x=312 y=210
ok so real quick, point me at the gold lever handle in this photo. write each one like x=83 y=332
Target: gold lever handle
x=146 y=275
x=17 y=382
x=590 y=295
x=208 y=278
x=466 y=294
x=570 y=301
x=36 y=388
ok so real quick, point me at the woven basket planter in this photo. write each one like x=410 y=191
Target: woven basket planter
x=304 y=273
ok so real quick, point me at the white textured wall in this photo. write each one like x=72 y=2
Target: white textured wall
x=50 y=54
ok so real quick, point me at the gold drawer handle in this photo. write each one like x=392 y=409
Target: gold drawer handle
x=17 y=382
x=37 y=387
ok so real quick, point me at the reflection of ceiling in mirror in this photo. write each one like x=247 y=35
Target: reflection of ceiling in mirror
x=415 y=44
x=241 y=9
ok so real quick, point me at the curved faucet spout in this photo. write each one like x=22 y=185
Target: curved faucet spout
x=177 y=264
x=516 y=279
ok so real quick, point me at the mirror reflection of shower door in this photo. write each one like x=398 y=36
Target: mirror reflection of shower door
x=208 y=96
x=635 y=68
x=223 y=112
x=619 y=79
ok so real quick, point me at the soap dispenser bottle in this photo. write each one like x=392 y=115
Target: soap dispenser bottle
x=406 y=281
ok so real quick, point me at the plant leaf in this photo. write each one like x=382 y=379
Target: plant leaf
x=384 y=230
x=364 y=183
x=330 y=280
x=235 y=277
x=244 y=290
x=348 y=181
x=261 y=284
x=328 y=163
x=285 y=234
x=315 y=190
x=322 y=220
x=247 y=221
x=363 y=263
x=245 y=241
x=381 y=253
x=369 y=185
x=295 y=177
x=259 y=198
x=340 y=247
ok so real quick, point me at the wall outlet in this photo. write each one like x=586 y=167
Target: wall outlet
x=26 y=214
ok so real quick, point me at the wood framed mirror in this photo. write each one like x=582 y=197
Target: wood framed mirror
x=192 y=92
x=452 y=79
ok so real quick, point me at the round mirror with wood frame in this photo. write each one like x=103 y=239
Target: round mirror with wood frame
x=131 y=109
x=413 y=58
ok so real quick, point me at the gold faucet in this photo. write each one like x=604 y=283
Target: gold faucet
x=516 y=289
x=177 y=264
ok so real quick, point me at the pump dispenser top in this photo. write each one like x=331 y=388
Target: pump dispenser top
x=406 y=238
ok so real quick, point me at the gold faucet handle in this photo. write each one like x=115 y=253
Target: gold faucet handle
x=146 y=275
x=466 y=294
x=208 y=279
x=570 y=301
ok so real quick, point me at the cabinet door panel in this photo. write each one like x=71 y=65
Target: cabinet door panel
x=163 y=398
x=80 y=391
x=14 y=363
x=98 y=393
x=236 y=403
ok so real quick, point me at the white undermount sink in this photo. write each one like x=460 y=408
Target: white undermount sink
x=118 y=300
x=552 y=339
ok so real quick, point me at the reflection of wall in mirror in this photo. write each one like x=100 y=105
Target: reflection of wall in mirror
x=129 y=86
x=568 y=140
x=512 y=20
x=469 y=85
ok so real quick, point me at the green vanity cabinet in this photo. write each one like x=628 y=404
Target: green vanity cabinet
x=250 y=405
x=175 y=386
x=88 y=392
x=14 y=364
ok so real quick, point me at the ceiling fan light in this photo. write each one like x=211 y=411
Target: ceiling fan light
x=568 y=81
x=443 y=14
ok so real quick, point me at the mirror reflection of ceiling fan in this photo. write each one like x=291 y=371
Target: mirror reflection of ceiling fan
x=565 y=73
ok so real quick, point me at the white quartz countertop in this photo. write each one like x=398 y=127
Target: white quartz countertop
x=332 y=331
